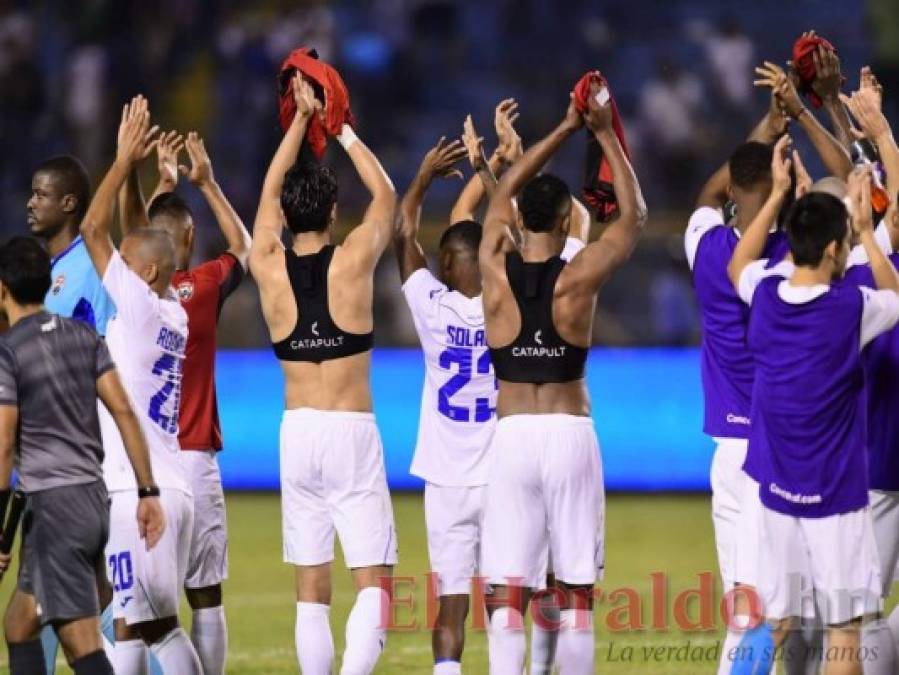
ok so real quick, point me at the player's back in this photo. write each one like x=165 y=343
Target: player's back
x=318 y=307
x=459 y=395
x=147 y=338
x=881 y=362
x=54 y=363
x=727 y=368
x=807 y=410
x=76 y=290
x=550 y=315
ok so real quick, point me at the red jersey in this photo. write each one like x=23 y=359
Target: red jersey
x=202 y=291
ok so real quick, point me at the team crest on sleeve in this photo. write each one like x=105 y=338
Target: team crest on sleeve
x=185 y=290
x=58 y=283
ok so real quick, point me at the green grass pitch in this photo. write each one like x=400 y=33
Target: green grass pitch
x=644 y=535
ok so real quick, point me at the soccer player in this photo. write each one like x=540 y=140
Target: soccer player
x=60 y=192
x=52 y=370
x=727 y=368
x=147 y=339
x=881 y=360
x=545 y=489
x=806 y=332
x=202 y=291
x=317 y=302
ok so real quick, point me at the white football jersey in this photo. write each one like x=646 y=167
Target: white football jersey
x=147 y=338
x=458 y=401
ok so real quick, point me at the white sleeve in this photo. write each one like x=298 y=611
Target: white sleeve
x=423 y=292
x=134 y=300
x=573 y=246
x=704 y=218
x=880 y=312
x=858 y=256
x=753 y=274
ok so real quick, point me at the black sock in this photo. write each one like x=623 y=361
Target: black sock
x=95 y=663
x=27 y=658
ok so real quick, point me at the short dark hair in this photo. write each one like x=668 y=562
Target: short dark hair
x=750 y=164
x=307 y=197
x=813 y=222
x=25 y=270
x=71 y=179
x=541 y=201
x=168 y=204
x=464 y=233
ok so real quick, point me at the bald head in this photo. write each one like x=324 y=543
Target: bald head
x=150 y=253
x=831 y=185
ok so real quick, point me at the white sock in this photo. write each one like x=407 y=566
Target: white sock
x=129 y=657
x=506 y=642
x=575 y=652
x=209 y=633
x=448 y=668
x=543 y=641
x=877 y=638
x=365 y=636
x=893 y=622
x=176 y=654
x=315 y=646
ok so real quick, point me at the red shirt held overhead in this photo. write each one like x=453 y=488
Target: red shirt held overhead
x=202 y=291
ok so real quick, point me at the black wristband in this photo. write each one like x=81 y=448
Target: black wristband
x=147 y=491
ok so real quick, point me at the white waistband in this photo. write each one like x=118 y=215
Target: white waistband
x=307 y=414
x=544 y=421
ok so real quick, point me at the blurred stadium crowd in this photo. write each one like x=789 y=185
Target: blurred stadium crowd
x=680 y=70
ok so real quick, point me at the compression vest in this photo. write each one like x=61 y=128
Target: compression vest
x=315 y=338
x=539 y=354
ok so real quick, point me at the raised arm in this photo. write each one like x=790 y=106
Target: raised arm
x=439 y=161
x=827 y=83
x=834 y=155
x=132 y=207
x=771 y=127
x=367 y=241
x=151 y=519
x=865 y=108
x=600 y=259
x=201 y=176
x=269 y=218
x=508 y=151
x=501 y=211
x=134 y=144
x=752 y=242
x=859 y=198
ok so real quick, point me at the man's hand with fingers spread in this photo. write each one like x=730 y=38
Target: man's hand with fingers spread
x=865 y=108
x=167 y=149
x=441 y=160
x=510 y=148
x=773 y=76
x=828 y=78
x=150 y=520
x=135 y=138
x=200 y=171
